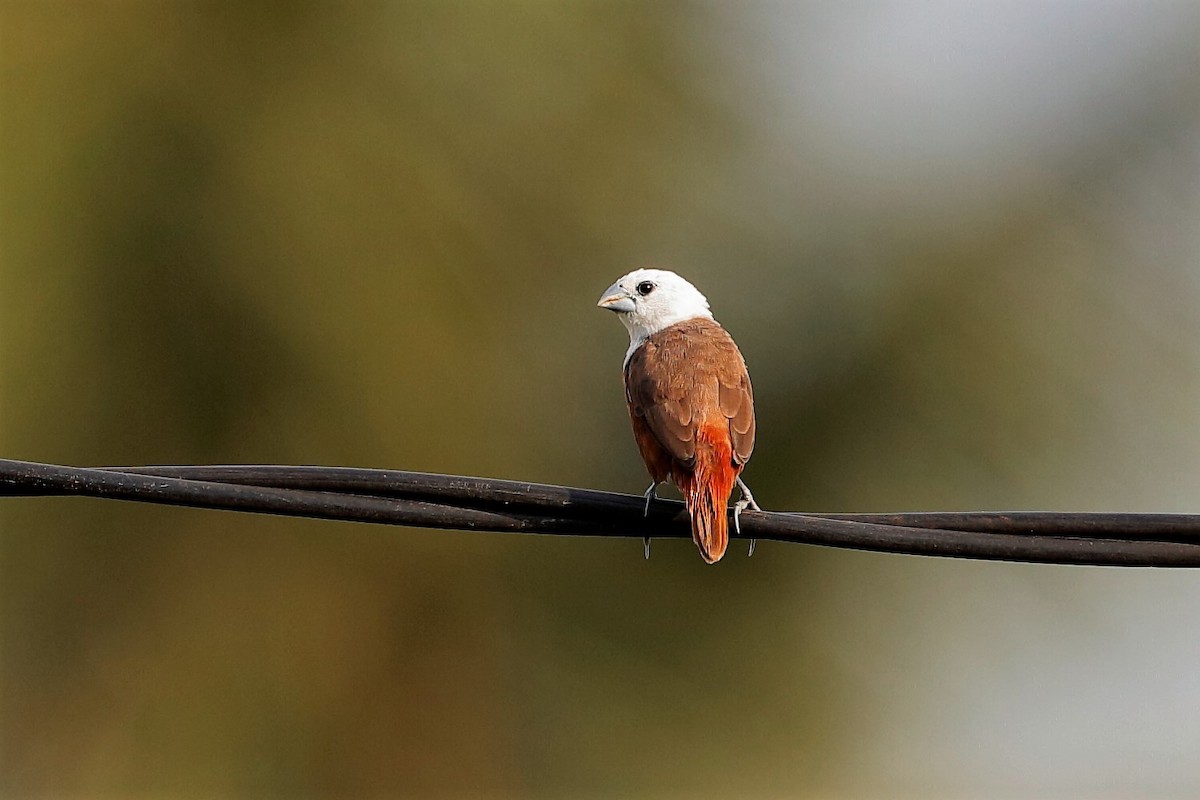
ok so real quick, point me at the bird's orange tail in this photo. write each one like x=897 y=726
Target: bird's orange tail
x=707 y=492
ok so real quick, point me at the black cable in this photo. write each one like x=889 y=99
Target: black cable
x=482 y=504
x=463 y=490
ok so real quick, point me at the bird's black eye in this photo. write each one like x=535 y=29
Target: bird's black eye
x=645 y=287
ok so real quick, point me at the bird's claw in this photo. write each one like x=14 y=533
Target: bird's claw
x=650 y=495
x=747 y=497
x=747 y=501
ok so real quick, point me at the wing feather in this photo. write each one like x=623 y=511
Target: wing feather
x=684 y=375
x=737 y=403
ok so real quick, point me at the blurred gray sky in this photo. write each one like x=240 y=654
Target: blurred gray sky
x=926 y=106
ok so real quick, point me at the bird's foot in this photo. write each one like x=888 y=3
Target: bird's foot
x=747 y=497
x=747 y=501
x=651 y=494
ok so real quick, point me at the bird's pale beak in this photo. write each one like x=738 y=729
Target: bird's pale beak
x=616 y=299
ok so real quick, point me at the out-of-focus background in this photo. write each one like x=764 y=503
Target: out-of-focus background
x=958 y=243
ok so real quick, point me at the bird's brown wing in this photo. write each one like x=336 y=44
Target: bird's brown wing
x=688 y=375
x=658 y=396
x=737 y=404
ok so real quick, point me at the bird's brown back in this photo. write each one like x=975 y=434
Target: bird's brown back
x=687 y=376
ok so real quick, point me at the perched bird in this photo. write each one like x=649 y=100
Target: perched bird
x=689 y=399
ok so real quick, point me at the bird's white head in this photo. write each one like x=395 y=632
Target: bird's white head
x=648 y=300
